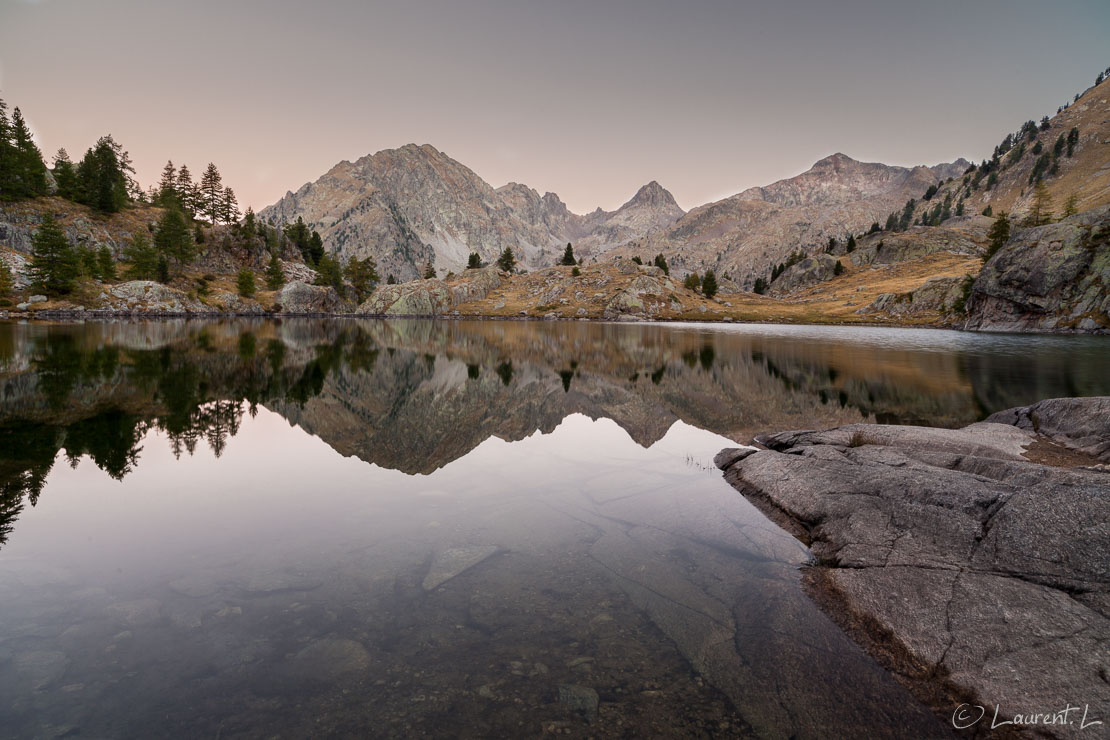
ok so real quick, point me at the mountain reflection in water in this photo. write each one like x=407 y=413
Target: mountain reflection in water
x=193 y=547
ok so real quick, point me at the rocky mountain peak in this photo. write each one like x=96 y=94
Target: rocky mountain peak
x=652 y=195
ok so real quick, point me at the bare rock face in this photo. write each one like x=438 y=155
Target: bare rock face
x=430 y=297
x=1049 y=278
x=415 y=204
x=810 y=271
x=936 y=295
x=989 y=574
x=299 y=297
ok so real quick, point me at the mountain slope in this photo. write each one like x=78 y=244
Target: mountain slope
x=744 y=235
x=415 y=204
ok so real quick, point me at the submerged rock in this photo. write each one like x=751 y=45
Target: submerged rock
x=581 y=699
x=988 y=571
x=454 y=561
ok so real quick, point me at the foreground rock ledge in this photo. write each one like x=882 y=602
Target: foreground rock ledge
x=975 y=563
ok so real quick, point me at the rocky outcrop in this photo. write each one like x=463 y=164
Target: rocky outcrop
x=1049 y=278
x=300 y=298
x=810 y=271
x=940 y=295
x=415 y=204
x=959 y=560
x=147 y=296
x=430 y=297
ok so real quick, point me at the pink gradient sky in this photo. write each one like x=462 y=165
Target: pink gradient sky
x=587 y=99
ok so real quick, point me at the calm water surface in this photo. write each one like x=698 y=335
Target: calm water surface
x=444 y=529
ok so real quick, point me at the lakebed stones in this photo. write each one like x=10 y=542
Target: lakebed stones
x=988 y=572
x=453 y=562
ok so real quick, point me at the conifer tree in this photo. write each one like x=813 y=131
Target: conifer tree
x=315 y=247
x=999 y=234
x=54 y=263
x=1071 y=205
x=1040 y=212
x=250 y=224
x=186 y=191
x=692 y=282
x=661 y=263
x=760 y=286
x=245 y=283
x=7 y=282
x=507 y=260
x=329 y=273
x=363 y=276
x=568 y=256
x=838 y=268
x=474 y=261
x=65 y=176
x=167 y=187
x=275 y=276
x=212 y=193
x=174 y=238
x=851 y=247
x=105 y=265
x=709 y=283
x=7 y=155
x=142 y=258
x=429 y=270
x=102 y=176
x=229 y=208
x=30 y=170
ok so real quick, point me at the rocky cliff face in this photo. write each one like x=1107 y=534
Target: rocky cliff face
x=407 y=206
x=1050 y=278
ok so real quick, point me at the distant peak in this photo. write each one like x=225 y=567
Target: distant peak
x=834 y=160
x=654 y=195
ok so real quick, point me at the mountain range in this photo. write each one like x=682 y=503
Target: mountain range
x=415 y=205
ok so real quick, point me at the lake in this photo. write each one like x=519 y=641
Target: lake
x=403 y=528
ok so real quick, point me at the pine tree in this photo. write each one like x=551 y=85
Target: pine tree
x=709 y=284
x=102 y=177
x=174 y=238
x=1073 y=139
x=429 y=270
x=142 y=258
x=760 y=286
x=474 y=262
x=988 y=211
x=851 y=247
x=54 y=263
x=229 y=208
x=1040 y=212
x=999 y=234
x=30 y=170
x=315 y=247
x=250 y=224
x=212 y=193
x=105 y=264
x=838 y=268
x=692 y=282
x=65 y=176
x=275 y=276
x=661 y=263
x=186 y=191
x=363 y=276
x=167 y=187
x=568 y=256
x=507 y=261
x=1071 y=205
x=7 y=282
x=245 y=282
x=7 y=155
x=328 y=272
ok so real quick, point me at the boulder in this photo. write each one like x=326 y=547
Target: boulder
x=431 y=297
x=936 y=295
x=147 y=296
x=300 y=298
x=1049 y=278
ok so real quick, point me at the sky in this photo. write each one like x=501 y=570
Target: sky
x=589 y=99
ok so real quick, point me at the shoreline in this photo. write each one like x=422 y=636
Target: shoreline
x=109 y=314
